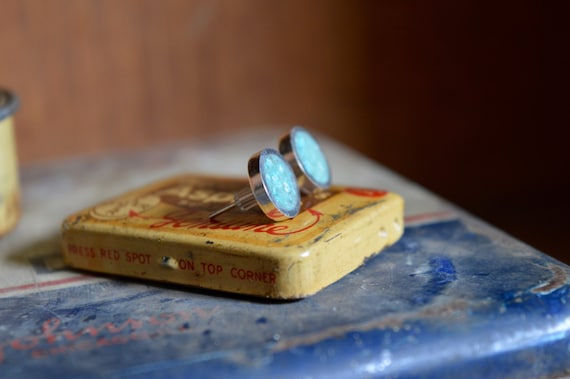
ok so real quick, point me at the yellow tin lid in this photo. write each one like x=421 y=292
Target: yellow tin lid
x=162 y=232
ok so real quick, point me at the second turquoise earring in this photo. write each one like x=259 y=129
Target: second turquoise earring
x=307 y=159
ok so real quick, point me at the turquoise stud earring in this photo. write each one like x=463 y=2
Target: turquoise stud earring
x=272 y=186
x=307 y=159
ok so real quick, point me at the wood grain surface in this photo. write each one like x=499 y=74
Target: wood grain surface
x=466 y=98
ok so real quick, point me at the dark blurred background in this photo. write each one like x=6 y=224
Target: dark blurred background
x=468 y=98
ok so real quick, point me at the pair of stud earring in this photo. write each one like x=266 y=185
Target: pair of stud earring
x=277 y=178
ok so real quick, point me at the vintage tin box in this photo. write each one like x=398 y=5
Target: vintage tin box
x=162 y=232
x=9 y=183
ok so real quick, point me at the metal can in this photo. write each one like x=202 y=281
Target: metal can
x=163 y=232
x=9 y=180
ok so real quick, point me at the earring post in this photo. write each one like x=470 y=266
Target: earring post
x=224 y=209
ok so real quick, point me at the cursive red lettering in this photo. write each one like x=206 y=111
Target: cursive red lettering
x=187 y=220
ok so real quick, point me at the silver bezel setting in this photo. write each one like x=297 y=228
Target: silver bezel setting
x=287 y=149
x=260 y=191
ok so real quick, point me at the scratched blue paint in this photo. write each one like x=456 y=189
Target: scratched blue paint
x=441 y=273
x=444 y=302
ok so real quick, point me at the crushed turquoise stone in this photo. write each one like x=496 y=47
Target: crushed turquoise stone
x=310 y=157
x=280 y=182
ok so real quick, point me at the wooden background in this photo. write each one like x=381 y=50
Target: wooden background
x=464 y=97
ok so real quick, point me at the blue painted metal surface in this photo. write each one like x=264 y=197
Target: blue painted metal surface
x=450 y=299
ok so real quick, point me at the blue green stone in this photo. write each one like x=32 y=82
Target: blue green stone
x=310 y=157
x=280 y=182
